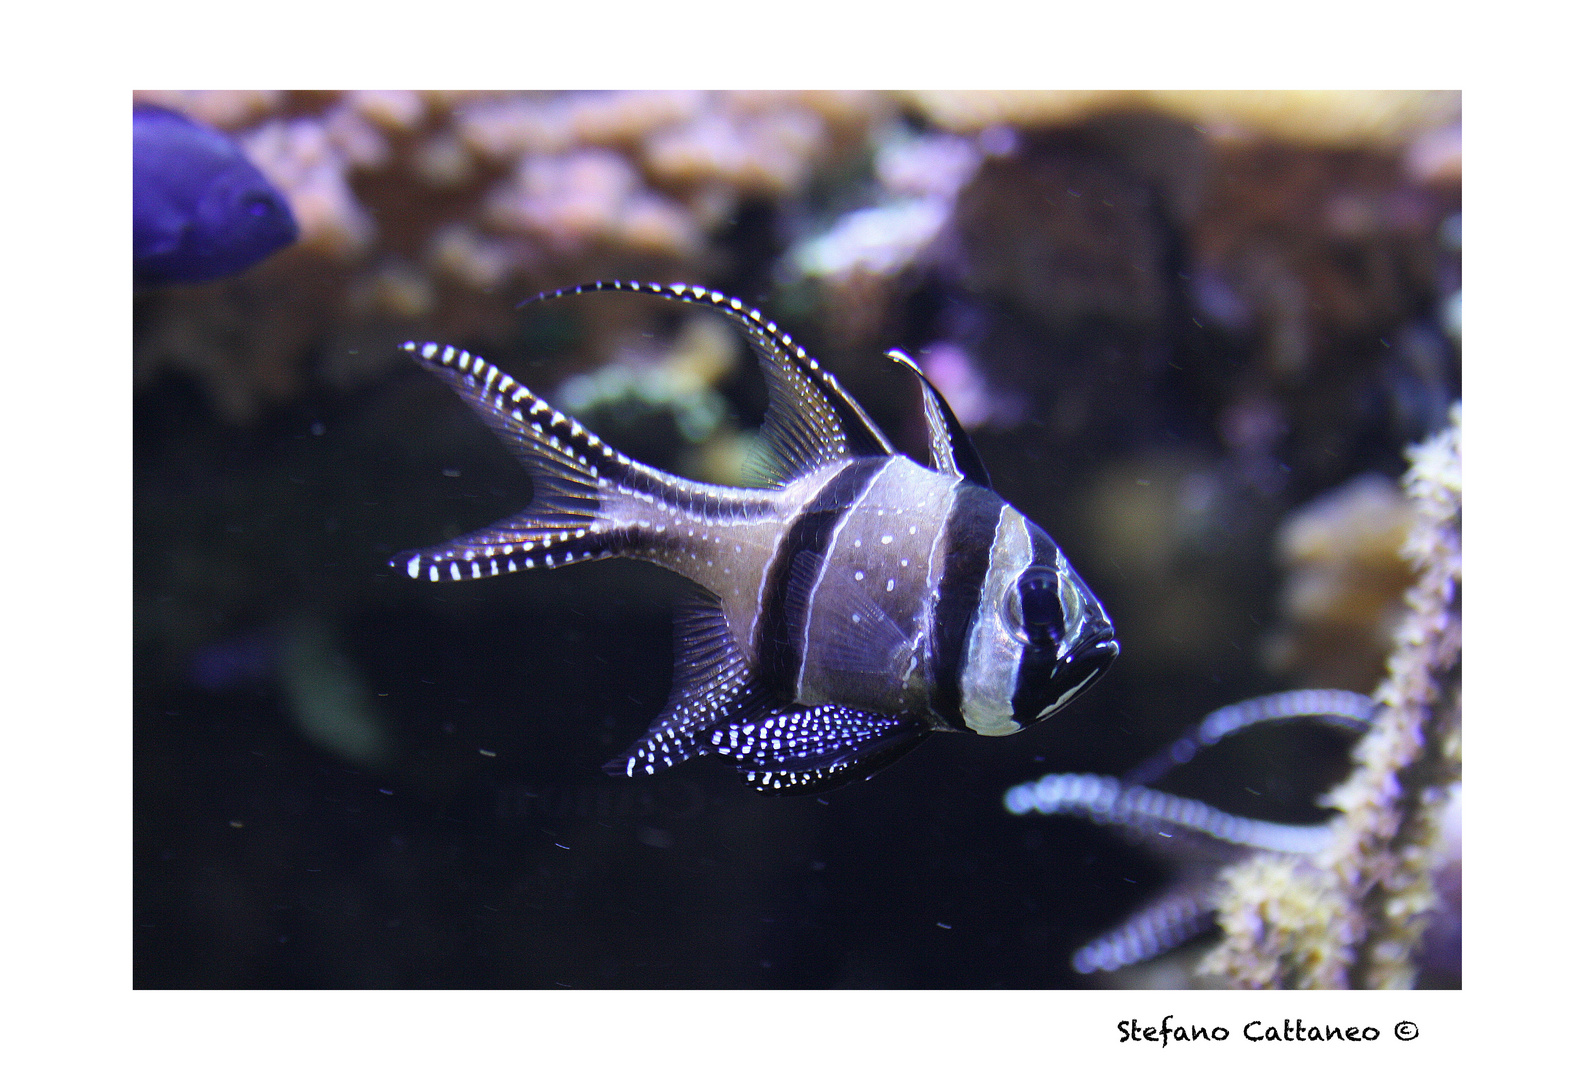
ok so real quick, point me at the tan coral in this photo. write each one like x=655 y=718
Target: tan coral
x=1321 y=117
x=1353 y=915
x=1345 y=579
x=303 y=159
x=226 y=109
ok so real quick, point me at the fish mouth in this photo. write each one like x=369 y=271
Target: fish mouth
x=1096 y=650
x=1096 y=637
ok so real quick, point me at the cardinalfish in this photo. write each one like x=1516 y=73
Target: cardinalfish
x=851 y=606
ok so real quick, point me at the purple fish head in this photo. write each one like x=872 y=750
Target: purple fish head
x=201 y=209
x=239 y=220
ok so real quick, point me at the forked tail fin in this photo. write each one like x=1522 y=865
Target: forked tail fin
x=572 y=470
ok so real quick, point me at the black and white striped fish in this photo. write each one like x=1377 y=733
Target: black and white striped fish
x=853 y=606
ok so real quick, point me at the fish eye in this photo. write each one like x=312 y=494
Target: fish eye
x=257 y=205
x=1041 y=608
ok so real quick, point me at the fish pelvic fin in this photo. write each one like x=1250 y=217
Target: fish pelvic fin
x=719 y=705
x=812 y=749
x=573 y=471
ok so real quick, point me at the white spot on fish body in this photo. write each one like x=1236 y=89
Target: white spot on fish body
x=413 y=567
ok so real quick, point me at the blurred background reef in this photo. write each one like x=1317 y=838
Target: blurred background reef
x=1191 y=333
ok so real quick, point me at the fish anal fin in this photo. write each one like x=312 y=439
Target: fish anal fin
x=951 y=450
x=712 y=687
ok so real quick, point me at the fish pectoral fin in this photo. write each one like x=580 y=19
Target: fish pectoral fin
x=851 y=631
x=713 y=688
x=817 y=748
x=951 y=451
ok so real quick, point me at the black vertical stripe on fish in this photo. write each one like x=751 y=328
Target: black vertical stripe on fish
x=847 y=609
x=781 y=629
x=1047 y=679
x=971 y=530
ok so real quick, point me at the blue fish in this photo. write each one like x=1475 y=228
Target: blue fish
x=847 y=610
x=200 y=210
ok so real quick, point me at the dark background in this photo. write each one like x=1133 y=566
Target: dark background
x=344 y=778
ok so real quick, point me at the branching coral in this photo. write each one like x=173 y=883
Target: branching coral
x=448 y=206
x=1353 y=914
x=1344 y=903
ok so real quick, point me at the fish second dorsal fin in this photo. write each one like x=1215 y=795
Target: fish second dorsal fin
x=951 y=452
x=811 y=420
x=713 y=687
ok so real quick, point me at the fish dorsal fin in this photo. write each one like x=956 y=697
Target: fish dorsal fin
x=951 y=452
x=811 y=420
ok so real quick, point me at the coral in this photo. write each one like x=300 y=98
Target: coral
x=1331 y=117
x=1348 y=902
x=1345 y=579
x=1352 y=915
x=918 y=178
x=1329 y=263
x=441 y=207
